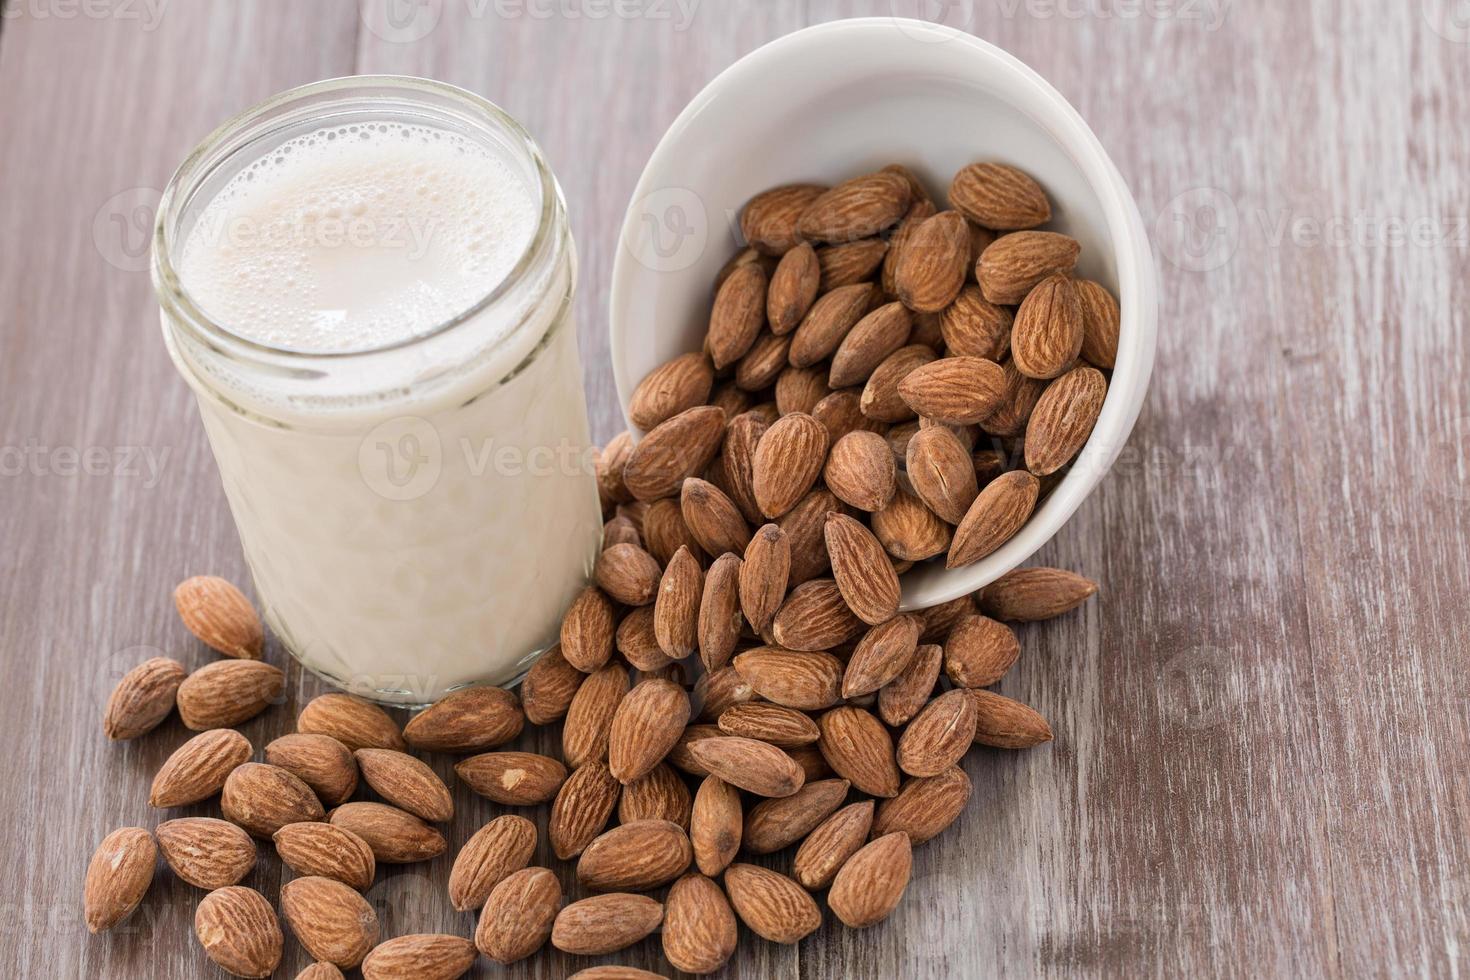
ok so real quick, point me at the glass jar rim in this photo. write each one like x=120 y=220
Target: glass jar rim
x=238 y=132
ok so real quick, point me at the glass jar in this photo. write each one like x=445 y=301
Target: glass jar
x=417 y=514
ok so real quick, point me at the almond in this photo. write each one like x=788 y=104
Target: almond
x=919 y=195
x=774 y=824
x=582 y=808
x=673 y=451
x=919 y=211
x=815 y=616
x=608 y=468
x=352 y=721
x=628 y=574
x=793 y=288
x=763 y=576
x=994 y=195
x=942 y=472
x=769 y=220
x=861 y=471
x=699 y=928
x=587 y=630
x=1018 y=400
x=737 y=465
x=862 y=570
x=979 y=651
x=787 y=461
x=842 y=412
x=660 y=795
x=939 y=620
x=636 y=856
x=850 y=263
x=939 y=736
x=493 y=853
x=118 y=877
x=264 y=798
x=989 y=464
x=143 y=698
x=859 y=749
x=549 y=687
x=908 y=529
x=997 y=513
x=220 y=616
x=806 y=681
x=605 y=923
x=473 y=719
x=798 y=390
x=872 y=881
x=738 y=314
x=518 y=916
x=333 y=922
x=870 y=341
x=716 y=692
x=614 y=972
x=198 y=769
x=905 y=695
x=881 y=399
x=802 y=526
x=828 y=322
x=647 y=723
x=239 y=931
x=670 y=388
x=513 y=778
x=972 y=326
x=1047 y=335
x=228 y=693
x=395 y=836
x=827 y=848
x=320 y=761
x=205 y=852
x=715 y=825
x=782 y=727
x=1013 y=264
x=1063 y=419
x=720 y=621
x=1100 y=318
x=924 y=806
x=932 y=266
x=420 y=957
x=771 y=904
x=763 y=363
x=1028 y=595
x=1006 y=724
x=746 y=256
x=980 y=240
x=407 y=783
x=676 y=610
x=954 y=390
x=756 y=767
x=856 y=208
x=638 y=643
x=327 y=851
x=880 y=656
x=712 y=518
x=620 y=530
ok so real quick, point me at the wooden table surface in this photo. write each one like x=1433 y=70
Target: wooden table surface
x=1260 y=766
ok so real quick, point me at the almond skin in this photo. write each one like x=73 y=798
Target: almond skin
x=327 y=851
x=1063 y=419
x=782 y=727
x=997 y=513
x=942 y=472
x=671 y=388
x=589 y=719
x=863 y=573
x=905 y=695
x=768 y=221
x=673 y=451
x=772 y=905
x=239 y=931
x=352 y=721
x=407 y=783
x=803 y=528
x=715 y=825
x=954 y=390
x=699 y=927
x=676 y=610
x=798 y=390
x=924 y=806
x=972 y=326
x=816 y=616
x=720 y=621
x=738 y=314
x=787 y=461
x=333 y=922
x=712 y=518
x=716 y=692
x=939 y=736
x=763 y=576
x=395 y=836
x=205 y=852
x=793 y=288
x=470 y=720
x=319 y=761
x=849 y=263
x=871 y=340
x=198 y=769
x=755 y=767
x=881 y=400
x=1100 y=322
x=493 y=853
x=637 y=856
x=220 y=616
x=979 y=651
x=994 y=195
x=605 y=923
x=608 y=470
x=582 y=808
x=1013 y=264
x=827 y=323
x=420 y=957
x=587 y=630
x=665 y=532
x=806 y=681
x=938 y=620
x=872 y=881
x=842 y=412
x=763 y=363
x=1017 y=402
x=932 y=266
x=518 y=916
x=1006 y=724
x=512 y=778
x=227 y=693
x=549 y=687
x=909 y=530
x=860 y=470
x=737 y=464
x=859 y=749
x=264 y=798
x=638 y=643
x=628 y=574
x=660 y=795
x=827 y=848
x=880 y=656
x=614 y=972
x=774 y=824
x=1029 y=595
x=1047 y=336
x=118 y=877
x=648 y=721
x=143 y=698
x=856 y=208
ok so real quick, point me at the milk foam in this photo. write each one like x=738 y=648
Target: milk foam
x=353 y=237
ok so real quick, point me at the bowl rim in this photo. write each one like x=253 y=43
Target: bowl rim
x=1124 y=230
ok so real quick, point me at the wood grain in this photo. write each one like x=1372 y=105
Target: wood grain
x=1260 y=765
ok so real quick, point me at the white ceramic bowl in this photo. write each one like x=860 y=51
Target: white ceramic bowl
x=834 y=101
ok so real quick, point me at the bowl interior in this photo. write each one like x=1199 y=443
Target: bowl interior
x=847 y=98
